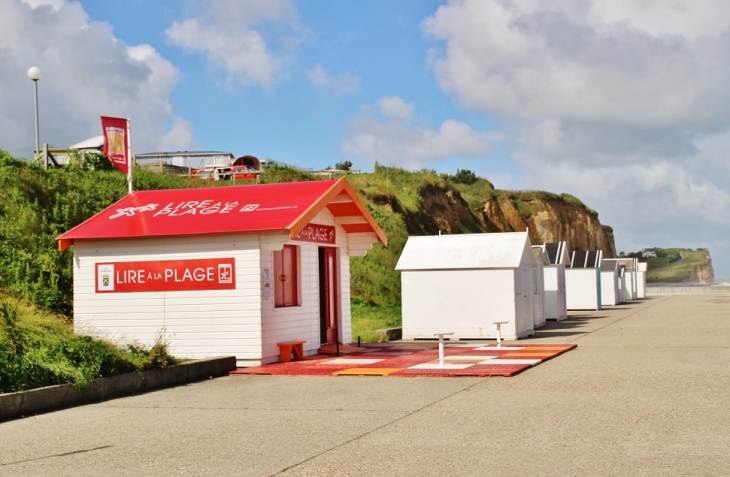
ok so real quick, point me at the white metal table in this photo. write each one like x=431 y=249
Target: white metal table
x=441 y=345
x=499 y=331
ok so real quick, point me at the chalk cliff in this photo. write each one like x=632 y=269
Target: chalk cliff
x=548 y=218
x=703 y=273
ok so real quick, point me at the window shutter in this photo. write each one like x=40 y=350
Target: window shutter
x=286 y=283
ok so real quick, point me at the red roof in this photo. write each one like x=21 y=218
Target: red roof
x=218 y=210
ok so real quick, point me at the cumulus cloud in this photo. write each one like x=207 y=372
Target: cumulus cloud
x=393 y=139
x=621 y=102
x=87 y=73
x=573 y=60
x=393 y=107
x=343 y=83
x=251 y=41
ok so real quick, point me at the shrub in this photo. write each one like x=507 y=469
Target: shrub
x=465 y=176
x=39 y=350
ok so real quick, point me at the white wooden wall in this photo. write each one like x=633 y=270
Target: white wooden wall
x=466 y=302
x=610 y=287
x=538 y=295
x=621 y=286
x=628 y=286
x=640 y=284
x=554 y=283
x=582 y=290
x=524 y=318
x=196 y=324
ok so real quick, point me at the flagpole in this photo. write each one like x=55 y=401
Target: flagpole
x=130 y=160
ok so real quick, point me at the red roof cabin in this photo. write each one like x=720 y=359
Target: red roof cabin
x=222 y=270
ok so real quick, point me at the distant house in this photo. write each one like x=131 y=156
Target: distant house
x=191 y=159
x=648 y=253
x=60 y=156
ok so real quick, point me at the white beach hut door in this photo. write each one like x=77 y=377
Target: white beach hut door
x=538 y=312
x=562 y=305
x=523 y=303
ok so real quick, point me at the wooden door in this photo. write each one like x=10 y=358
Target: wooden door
x=328 y=295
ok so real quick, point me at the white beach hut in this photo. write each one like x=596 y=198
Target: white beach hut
x=621 y=283
x=554 y=280
x=610 y=283
x=538 y=286
x=466 y=284
x=641 y=269
x=257 y=271
x=583 y=280
x=629 y=265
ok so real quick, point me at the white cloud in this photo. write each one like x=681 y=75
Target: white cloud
x=394 y=141
x=87 y=72
x=341 y=84
x=623 y=103
x=252 y=41
x=54 y=4
x=393 y=107
x=526 y=59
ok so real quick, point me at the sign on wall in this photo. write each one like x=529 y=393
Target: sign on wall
x=166 y=275
x=267 y=284
x=317 y=233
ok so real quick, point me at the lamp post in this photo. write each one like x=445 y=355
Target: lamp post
x=34 y=73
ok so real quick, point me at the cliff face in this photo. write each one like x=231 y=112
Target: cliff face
x=703 y=273
x=548 y=220
x=546 y=217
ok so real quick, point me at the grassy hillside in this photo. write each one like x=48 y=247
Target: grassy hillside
x=675 y=265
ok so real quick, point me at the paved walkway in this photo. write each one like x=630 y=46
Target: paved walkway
x=646 y=392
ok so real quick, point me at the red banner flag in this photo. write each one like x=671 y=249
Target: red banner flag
x=116 y=141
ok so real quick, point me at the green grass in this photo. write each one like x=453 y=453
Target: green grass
x=669 y=266
x=40 y=349
x=367 y=319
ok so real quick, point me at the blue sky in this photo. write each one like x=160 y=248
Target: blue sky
x=380 y=44
x=622 y=103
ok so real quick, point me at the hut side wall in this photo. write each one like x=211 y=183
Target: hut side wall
x=582 y=289
x=609 y=288
x=554 y=282
x=640 y=284
x=538 y=295
x=466 y=302
x=628 y=286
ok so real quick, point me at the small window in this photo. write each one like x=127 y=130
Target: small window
x=286 y=277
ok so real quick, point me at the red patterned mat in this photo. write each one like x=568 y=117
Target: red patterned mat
x=420 y=359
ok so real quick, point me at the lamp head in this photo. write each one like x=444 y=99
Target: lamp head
x=34 y=73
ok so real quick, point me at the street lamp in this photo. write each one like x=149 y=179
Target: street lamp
x=34 y=73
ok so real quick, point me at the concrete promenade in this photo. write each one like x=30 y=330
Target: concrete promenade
x=647 y=392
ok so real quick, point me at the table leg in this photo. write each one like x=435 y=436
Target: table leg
x=441 y=351
x=499 y=335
